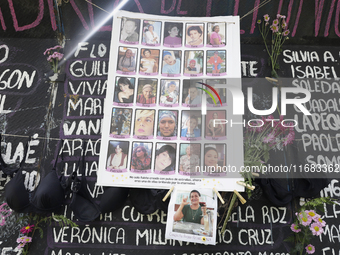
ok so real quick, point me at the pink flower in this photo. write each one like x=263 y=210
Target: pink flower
x=310 y=249
x=316 y=229
x=259 y=21
x=278 y=15
x=20 y=246
x=275 y=22
x=321 y=222
x=21 y=239
x=295 y=228
x=266 y=17
x=286 y=32
x=305 y=219
x=269 y=138
x=27 y=229
x=274 y=28
x=312 y=214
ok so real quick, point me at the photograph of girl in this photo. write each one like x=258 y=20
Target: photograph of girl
x=117 y=157
x=194 y=35
x=173 y=34
x=215 y=130
x=216 y=35
x=127 y=60
x=149 y=62
x=144 y=124
x=146 y=92
x=191 y=125
x=171 y=64
x=193 y=62
x=216 y=65
x=124 y=91
x=151 y=32
x=214 y=159
x=169 y=93
x=165 y=158
x=120 y=122
x=141 y=157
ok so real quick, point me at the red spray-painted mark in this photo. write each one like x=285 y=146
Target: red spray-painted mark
x=179 y=8
x=297 y=18
x=3 y=25
x=51 y=8
x=139 y=6
x=81 y=17
x=208 y=13
x=318 y=14
x=256 y=5
x=329 y=18
x=29 y=26
x=237 y=3
x=290 y=6
x=163 y=11
x=337 y=13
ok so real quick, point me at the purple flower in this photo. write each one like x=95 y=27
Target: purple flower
x=321 y=222
x=269 y=138
x=312 y=214
x=310 y=249
x=286 y=32
x=295 y=228
x=266 y=17
x=316 y=229
x=305 y=219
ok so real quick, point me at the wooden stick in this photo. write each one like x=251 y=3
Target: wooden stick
x=168 y=194
x=243 y=201
x=256 y=174
x=219 y=195
x=246 y=185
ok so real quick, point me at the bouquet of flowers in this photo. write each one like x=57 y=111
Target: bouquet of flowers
x=54 y=56
x=278 y=34
x=308 y=223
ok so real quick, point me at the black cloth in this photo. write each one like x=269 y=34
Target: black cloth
x=113 y=198
x=147 y=201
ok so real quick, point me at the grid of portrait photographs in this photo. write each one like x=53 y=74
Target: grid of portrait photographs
x=153 y=122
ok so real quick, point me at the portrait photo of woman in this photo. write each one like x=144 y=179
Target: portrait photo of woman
x=127 y=60
x=194 y=35
x=216 y=65
x=144 y=123
x=189 y=158
x=214 y=158
x=165 y=158
x=129 y=32
x=167 y=124
x=216 y=34
x=171 y=65
x=149 y=62
x=117 y=157
x=193 y=62
x=169 y=92
x=124 y=90
x=173 y=34
x=214 y=129
x=120 y=122
x=151 y=32
x=191 y=125
x=192 y=96
x=141 y=157
x=146 y=92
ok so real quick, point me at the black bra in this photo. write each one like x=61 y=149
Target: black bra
x=48 y=196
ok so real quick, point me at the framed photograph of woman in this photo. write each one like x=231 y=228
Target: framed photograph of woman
x=191 y=125
x=144 y=123
x=214 y=129
x=165 y=158
x=173 y=33
x=216 y=63
x=129 y=32
x=124 y=91
x=151 y=33
x=141 y=157
x=192 y=215
x=189 y=159
x=222 y=92
x=193 y=63
x=216 y=36
x=148 y=64
x=194 y=35
x=117 y=156
x=192 y=95
x=146 y=92
x=171 y=64
x=215 y=160
x=127 y=61
x=169 y=95
x=120 y=122
x=167 y=125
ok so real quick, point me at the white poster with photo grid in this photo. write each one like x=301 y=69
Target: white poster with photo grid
x=165 y=93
